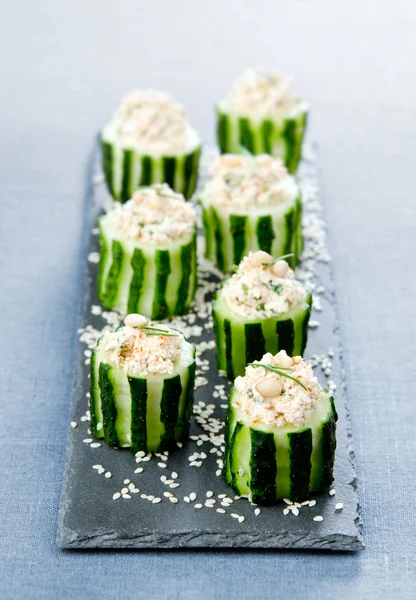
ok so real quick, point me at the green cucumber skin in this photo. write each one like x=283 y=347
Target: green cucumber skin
x=138 y=263
x=238 y=225
x=290 y=132
x=107 y=165
x=246 y=135
x=285 y=332
x=265 y=233
x=222 y=132
x=187 y=258
x=184 y=420
x=329 y=443
x=93 y=400
x=169 y=166
x=112 y=280
x=160 y=308
x=263 y=467
x=207 y=233
x=255 y=342
x=233 y=465
x=218 y=239
x=138 y=393
x=108 y=405
x=300 y=451
x=228 y=350
x=126 y=187
x=103 y=260
x=228 y=446
x=169 y=409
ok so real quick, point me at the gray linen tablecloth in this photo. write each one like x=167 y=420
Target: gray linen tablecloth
x=63 y=68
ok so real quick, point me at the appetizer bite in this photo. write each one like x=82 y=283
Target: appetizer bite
x=262 y=114
x=259 y=309
x=280 y=432
x=142 y=385
x=148 y=254
x=251 y=203
x=149 y=140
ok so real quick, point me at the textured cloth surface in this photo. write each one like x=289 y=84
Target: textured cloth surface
x=63 y=69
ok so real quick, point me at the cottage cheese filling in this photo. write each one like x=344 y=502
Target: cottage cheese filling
x=140 y=350
x=154 y=215
x=241 y=182
x=262 y=95
x=258 y=291
x=275 y=400
x=152 y=121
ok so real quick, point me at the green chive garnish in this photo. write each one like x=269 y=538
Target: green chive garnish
x=278 y=371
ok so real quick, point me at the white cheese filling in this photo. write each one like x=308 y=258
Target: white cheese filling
x=141 y=350
x=262 y=95
x=258 y=291
x=155 y=215
x=153 y=122
x=245 y=182
x=270 y=399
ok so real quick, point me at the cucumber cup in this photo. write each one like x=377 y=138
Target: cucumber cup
x=280 y=432
x=142 y=383
x=148 y=254
x=251 y=203
x=261 y=115
x=260 y=309
x=149 y=141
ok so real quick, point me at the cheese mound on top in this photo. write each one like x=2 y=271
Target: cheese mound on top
x=152 y=121
x=242 y=181
x=262 y=95
x=262 y=287
x=155 y=215
x=143 y=349
x=267 y=398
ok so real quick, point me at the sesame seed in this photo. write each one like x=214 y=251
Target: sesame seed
x=179 y=444
x=156 y=500
x=192 y=496
x=235 y=515
x=257 y=512
x=139 y=470
x=150 y=497
x=222 y=495
x=197 y=505
x=87 y=440
x=339 y=506
x=174 y=485
x=241 y=472
x=126 y=496
x=135 y=491
x=126 y=481
x=286 y=511
x=163 y=478
x=318 y=518
x=144 y=496
x=287 y=501
x=240 y=519
x=116 y=496
x=167 y=494
x=209 y=494
x=187 y=499
x=220 y=510
x=131 y=486
x=174 y=475
x=295 y=511
x=218 y=472
x=332 y=492
x=108 y=475
x=74 y=424
x=95 y=445
x=161 y=465
x=312 y=503
x=97 y=466
x=173 y=500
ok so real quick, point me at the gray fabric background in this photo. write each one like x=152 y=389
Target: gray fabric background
x=63 y=68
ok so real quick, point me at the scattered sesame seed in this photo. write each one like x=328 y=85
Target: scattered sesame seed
x=174 y=475
x=95 y=445
x=156 y=500
x=74 y=424
x=116 y=496
x=295 y=511
x=139 y=470
x=173 y=500
x=318 y=518
x=197 y=505
x=235 y=515
x=126 y=481
x=209 y=494
x=286 y=501
x=187 y=499
x=240 y=519
x=174 y=485
x=108 y=475
x=312 y=503
x=257 y=511
x=124 y=490
x=126 y=496
x=192 y=496
x=339 y=506
x=220 y=510
x=97 y=466
x=87 y=441
x=332 y=492
x=286 y=511
x=163 y=478
x=161 y=465
x=218 y=472
x=131 y=486
x=151 y=497
x=167 y=494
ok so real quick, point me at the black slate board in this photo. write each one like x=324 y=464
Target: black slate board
x=90 y=518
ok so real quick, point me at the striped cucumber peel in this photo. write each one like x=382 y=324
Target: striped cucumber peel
x=127 y=169
x=144 y=413
x=268 y=464
x=155 y=282
x=230 y=236
x=282 y=138
x=240 y=341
